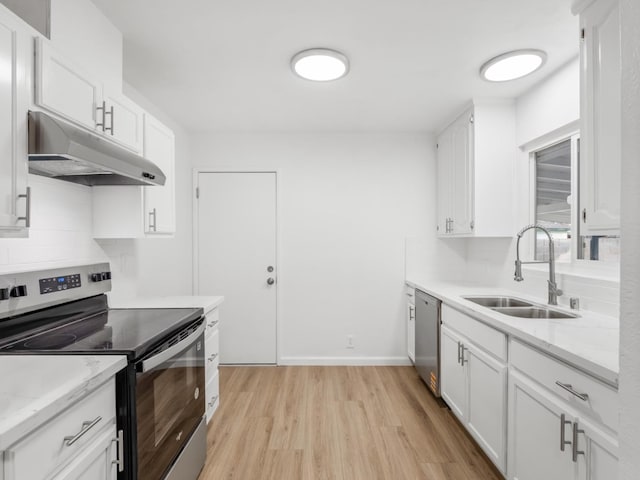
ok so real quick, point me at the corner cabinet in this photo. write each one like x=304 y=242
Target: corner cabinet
x=15 y=56
x=475 y=168
x=600 y=116
x=140 y=212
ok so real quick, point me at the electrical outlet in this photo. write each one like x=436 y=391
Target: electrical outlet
x=350 y=342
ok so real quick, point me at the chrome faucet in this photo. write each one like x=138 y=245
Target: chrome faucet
x=554 y=291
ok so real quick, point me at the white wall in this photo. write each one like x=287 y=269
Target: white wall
x=347 y=202
x=629 y=436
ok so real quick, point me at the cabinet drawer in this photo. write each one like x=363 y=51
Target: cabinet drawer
x=602 y=401
x=211 y=352
x=212 y=391
x=45 y=449
x=410 y=293
x=212 y=319
x=489 y=339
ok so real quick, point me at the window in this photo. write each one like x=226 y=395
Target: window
x=557 y=207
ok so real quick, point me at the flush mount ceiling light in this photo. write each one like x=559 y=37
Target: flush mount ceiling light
x=320 y=64
x=512 y=65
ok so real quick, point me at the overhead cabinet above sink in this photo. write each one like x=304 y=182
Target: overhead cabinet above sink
x=476 y=157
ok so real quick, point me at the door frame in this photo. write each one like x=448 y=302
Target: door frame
x=195 y=234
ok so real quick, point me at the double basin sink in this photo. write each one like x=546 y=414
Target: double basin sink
x=515 y=307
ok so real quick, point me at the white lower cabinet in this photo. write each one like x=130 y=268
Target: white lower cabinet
x=212 y=360
x=80 y=443
x=411 y=324
x=549 y=440
x=474 y=386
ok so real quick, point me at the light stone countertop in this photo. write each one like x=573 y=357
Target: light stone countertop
x=589 y=342
x=207 y=303
x=35 y=388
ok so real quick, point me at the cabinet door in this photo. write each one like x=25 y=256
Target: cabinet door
x=601 y=119
x=462 y=145
x=444 y=179
x=411 y=332
x=159 y=147
x=600 y=458
x=535 y=431
x=65 y=89
x=14 y=55
x=95 y=462
x=452 y=372
x=123 y=121
x=486 y=412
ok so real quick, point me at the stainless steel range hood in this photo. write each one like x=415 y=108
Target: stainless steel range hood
x=60 y=150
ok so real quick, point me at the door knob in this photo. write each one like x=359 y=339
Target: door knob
x=269 y=269
x=270 y=281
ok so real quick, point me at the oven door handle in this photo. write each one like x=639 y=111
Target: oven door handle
x=160 y=358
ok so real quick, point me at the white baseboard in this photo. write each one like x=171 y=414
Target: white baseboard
x=346 y=361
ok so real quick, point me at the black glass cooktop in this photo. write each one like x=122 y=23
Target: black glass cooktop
x=132 y=332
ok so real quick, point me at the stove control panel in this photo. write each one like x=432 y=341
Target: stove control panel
x=58 y=284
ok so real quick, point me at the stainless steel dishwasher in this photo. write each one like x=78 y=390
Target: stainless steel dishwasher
x=428 y=340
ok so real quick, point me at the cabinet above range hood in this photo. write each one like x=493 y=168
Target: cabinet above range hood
x=60 y=150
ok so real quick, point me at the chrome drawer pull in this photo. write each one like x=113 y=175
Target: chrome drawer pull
x=563 y=422
x=576 y=452
x=120 y=443
x=213 y=401
x=582 y=396
x=212 y=357
x=86 y=426
x=213 y=324
x=459 y=354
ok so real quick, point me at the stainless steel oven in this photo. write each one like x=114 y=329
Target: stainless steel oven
x=169 y=400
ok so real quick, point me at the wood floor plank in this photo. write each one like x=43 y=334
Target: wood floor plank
x=336 y=423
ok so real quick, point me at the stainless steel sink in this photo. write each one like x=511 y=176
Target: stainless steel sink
x=534 y=312
x=498 y=302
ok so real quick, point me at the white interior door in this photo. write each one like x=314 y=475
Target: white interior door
x=236 y=249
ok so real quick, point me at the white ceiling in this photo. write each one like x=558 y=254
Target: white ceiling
x=223 y=65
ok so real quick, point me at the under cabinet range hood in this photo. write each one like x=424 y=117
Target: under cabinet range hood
x=60 y=150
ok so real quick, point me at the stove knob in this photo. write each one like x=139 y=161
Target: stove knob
x=106 y=275
x=18 y=291
x=4 y=294
x=96 y=277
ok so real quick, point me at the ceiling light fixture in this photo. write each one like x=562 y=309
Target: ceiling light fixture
x=320 y=64
x=512 y=65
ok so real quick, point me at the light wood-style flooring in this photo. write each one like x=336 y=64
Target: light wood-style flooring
x=343 y=423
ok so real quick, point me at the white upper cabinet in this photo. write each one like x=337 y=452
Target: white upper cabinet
x=159 y=202
x=476 y=155
x=72 y=93
x=600 y=117
x=65 y=89
x=15 y=56
x=139 y=212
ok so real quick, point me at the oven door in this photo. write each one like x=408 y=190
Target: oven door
x=169 y=400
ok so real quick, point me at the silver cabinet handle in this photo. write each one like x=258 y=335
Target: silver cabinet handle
x=563 y=422
x=213 y=324
x=576 y=452
x=27 y=212
x=212 y=357
x=110 y=128
x=412 y=313
x=86 y=426
x=102 y=109
x=120 y=442
x=464 y=360
x=213 y=401
x=459 y=354
x=153 y=214
x=566 y=386
x=270 y=281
